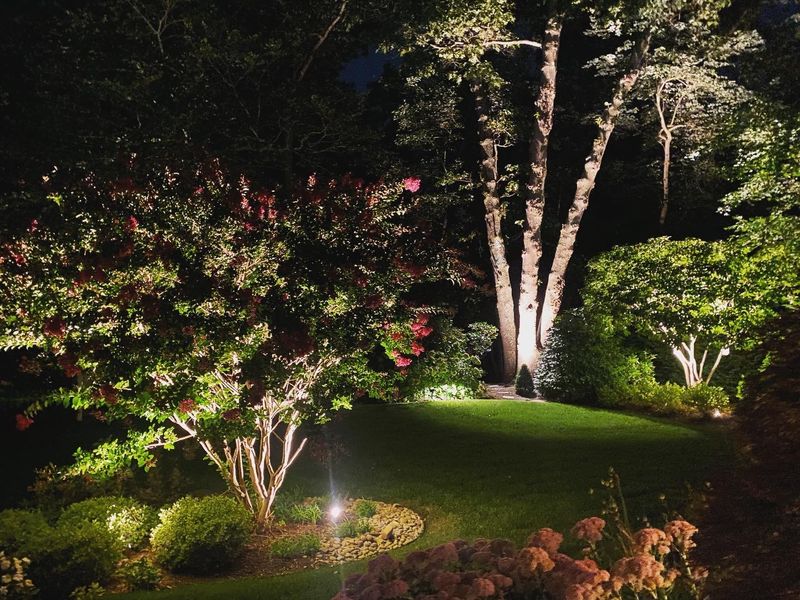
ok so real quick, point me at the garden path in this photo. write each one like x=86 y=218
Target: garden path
x=507 y=392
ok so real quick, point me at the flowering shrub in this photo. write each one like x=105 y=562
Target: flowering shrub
x=201 y=535
x=616 y=564
x=14 y=583
x=213 y=309
x=140 y=574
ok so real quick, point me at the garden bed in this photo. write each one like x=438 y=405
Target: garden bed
x=391 y=526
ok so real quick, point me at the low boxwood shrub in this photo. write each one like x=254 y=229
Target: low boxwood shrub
x=129 y=521
x=365 y=508
x=294 y=546
x=66 y=557
x=201 y=535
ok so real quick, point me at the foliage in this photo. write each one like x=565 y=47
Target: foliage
x=201 y=535
x=648 y=561
x=214 y=337
x=14 y=581
x=18 y=528
x=365 y=508
x=524 y=383
x=292 y=547
x=752 y=513
x=55 y=488
x=68 y=556
x=129 y=521
x=691 y=294
x=88 y=592
x=139 y=574
x=305 y=512
x=451 y=369
x=667 y=398
x=583 y=362
x=351 y=528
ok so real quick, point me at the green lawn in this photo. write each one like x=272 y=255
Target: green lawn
x=486 y=468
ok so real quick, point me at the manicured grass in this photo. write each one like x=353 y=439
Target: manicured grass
x=486 y=469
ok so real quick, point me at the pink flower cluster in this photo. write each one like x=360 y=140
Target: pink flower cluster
x=495 y=569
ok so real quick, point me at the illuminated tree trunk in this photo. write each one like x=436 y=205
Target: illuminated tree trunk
x=497 y=248
x=692 y=370
x=666 y=127
x=255 y=466
x=527 y=343
x=569 y=230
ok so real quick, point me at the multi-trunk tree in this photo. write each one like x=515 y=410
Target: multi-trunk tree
x=467 y=40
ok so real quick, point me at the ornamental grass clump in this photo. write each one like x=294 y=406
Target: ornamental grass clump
x=616 y=563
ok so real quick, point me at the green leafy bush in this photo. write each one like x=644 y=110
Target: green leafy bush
x=139 y=574
x=201 y=535
x=584 y=364
x=351 y=528
x=292 y=547
x=19 y=527
x=450 y=369
x=62 y=557
x=69 y=556
x=365 y=508
x=524 y=383
x=706 y=398
x=129 y=521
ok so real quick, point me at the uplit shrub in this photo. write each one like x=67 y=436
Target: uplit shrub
x=294 y=546
x=584 y=364
x=365 y=508
x=139 y=574
x=451 y=368
x=524 y=383
x=69 y=556
x=201 y=535
x=706 y=398
x=129 y=521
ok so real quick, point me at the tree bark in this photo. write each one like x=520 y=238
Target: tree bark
x=569 y=230
x=494 y=233
x=527 y=343
x=666 y=143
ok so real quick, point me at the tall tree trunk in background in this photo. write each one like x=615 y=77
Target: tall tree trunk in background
x=666 y=127
x=666 y=144
x=494 y=233
x=569 y=230
x=527 y=343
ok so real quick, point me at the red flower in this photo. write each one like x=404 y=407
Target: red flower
x=402 y=361
x=420 y=330
x=232 y=414
x=396 y=336
x=411 y=184
x=108 y=393
x=67 y=363
x=187 y=405
x=417 y=348
x=132 y=223
x=33 y=226
x=55 y=327
x=423 y=318
x=23 y=422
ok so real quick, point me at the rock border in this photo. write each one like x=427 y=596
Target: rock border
x=392 y=526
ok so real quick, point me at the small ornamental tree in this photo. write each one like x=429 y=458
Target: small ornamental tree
x=698 y=297
x=211 y=310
